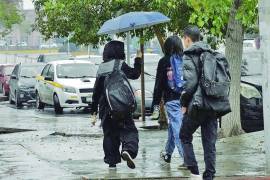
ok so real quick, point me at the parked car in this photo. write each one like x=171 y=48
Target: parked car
x=150 y=67
x=22 y=83
x=251 y=101
x=45 y=58
x=65 y=84
x=5 y=72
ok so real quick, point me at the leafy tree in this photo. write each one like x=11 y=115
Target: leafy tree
x=228 y=19
x=9 y=15
x=83 y=18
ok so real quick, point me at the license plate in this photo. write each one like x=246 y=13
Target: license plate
x=88 y=99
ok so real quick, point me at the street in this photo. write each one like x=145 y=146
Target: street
x=67 y=147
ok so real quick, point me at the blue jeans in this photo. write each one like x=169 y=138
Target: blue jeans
x=175 y=116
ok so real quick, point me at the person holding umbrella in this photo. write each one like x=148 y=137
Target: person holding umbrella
x=169 y=81
x=116 y=131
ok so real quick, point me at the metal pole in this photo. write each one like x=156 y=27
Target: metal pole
x=128 y=48
x=68 y=46
x=88 y=50
x=264 y=23
x=142 y=79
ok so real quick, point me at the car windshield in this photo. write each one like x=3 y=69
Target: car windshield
x=8 y=70
x=252 y=63
x=55 y=57
x=30 y=71
x=81 y=70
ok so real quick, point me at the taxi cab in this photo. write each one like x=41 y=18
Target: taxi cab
x=65 y=84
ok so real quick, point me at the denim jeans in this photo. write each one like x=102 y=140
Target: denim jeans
x=175 y=117
x=208 y=125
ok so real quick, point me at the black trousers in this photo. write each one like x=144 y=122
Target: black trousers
x=118 y=133
x=208 y=125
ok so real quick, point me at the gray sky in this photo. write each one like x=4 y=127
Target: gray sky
x=27 y=4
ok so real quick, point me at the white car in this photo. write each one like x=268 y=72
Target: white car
x=66 y=84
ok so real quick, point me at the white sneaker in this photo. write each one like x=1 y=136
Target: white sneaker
x=195 y=177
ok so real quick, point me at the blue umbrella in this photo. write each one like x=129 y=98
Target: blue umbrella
x=131 y=21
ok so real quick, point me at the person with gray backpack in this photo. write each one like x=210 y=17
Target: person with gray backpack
x=204 y=99
x=114 y=99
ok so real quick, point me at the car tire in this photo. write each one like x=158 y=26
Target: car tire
x=18 y=103
x=10 y=99
x=57 y=107
x=39 y=103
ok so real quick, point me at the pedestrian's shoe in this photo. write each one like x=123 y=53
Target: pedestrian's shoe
x=126 y=157
x=166 y=158
x=182 y=167
x=112 y=166
x=195 y=177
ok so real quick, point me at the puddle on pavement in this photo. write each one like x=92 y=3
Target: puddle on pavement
x=13 y=130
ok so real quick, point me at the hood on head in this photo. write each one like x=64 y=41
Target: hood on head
x=198 y=47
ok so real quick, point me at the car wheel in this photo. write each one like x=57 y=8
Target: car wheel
x=57 y=107
x=18 y=103
x=39 y=103
x=10 y=99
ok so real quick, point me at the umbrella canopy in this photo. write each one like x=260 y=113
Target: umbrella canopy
x=131 y=21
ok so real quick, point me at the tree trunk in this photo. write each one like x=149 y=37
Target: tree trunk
x=163 y=123
x=231 y=124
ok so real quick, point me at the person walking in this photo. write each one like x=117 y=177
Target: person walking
x=168 y=85
x=192 y=95
x=116 y=130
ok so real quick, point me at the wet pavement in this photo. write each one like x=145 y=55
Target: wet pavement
x=67 y=147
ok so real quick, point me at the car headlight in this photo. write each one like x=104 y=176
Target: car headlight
x=148 y=94
x=249 y=91
x=69 y=89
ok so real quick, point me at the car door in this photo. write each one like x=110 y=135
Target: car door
x=42 y=84
x=50 y=85
x=13 y=81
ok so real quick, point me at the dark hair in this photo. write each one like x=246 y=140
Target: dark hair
x=193 y=32
x=114 y=50
x=173 y=45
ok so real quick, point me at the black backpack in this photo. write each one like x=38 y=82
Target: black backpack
x=119 y=93
x=215 y=82
x=212 y=94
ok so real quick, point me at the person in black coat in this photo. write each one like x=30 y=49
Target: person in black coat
x=116 y=131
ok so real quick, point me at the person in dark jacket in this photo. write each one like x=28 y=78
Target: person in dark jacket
x=206 y=120
x=116 y=131
x=172 y=48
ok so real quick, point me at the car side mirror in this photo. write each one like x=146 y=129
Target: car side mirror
x=13 y=76
x=48 y=78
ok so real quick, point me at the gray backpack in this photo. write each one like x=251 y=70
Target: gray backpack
x=215 y=82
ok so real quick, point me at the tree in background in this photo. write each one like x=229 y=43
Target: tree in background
x=9 y=15
x=228 y=19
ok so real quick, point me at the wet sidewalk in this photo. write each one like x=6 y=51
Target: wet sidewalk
x=67 y=147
